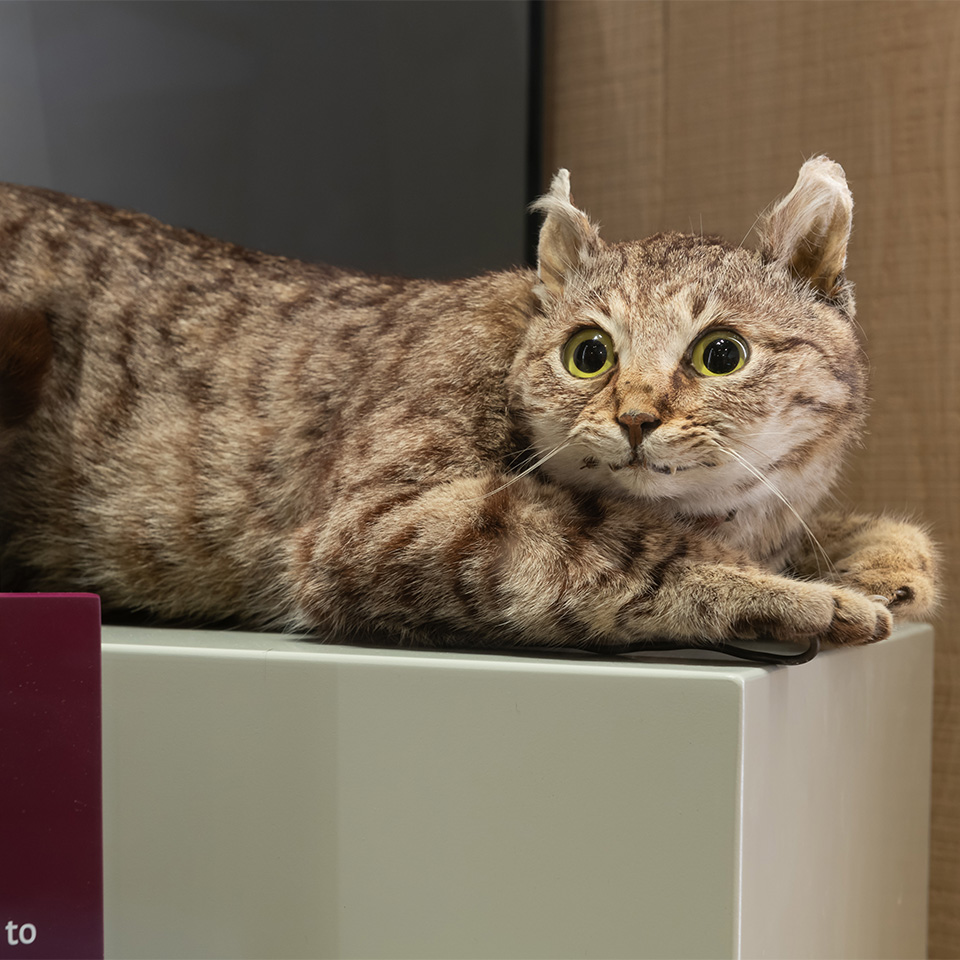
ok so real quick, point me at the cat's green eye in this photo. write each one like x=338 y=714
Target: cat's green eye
x=719 y=353
x=589 y=353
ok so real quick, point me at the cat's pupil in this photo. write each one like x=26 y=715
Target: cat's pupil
x=590 y=356
x=721 y=356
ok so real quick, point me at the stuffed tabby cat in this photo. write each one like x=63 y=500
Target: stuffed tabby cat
x=632 y=444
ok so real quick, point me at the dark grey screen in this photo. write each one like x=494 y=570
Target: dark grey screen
x=389 y=136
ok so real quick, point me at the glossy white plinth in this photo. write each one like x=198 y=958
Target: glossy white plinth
x=269 y=797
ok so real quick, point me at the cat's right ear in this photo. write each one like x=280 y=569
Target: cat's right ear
x=567 y=238
x=808 y=229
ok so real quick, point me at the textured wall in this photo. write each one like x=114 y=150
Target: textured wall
x=696 y=115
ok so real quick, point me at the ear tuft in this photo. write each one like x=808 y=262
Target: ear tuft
x=567 y=237
x=808 y=229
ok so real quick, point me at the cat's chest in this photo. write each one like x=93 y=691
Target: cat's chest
x=767 y=540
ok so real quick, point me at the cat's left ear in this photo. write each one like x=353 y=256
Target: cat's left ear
x=808 y=229
x=567 y=237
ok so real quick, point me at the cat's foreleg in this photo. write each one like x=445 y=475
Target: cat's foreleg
x=877 y=556
x=532 y=564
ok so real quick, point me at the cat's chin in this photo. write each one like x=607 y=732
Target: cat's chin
x=634 y=478
x=691 y=489
x=647 y=480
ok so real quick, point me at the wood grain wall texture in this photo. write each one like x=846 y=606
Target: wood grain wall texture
x=695 y=115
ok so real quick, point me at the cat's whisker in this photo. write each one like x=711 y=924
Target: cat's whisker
x=533 y=466
x=818 y=550
x=743 y=443
x=760 y=216
x=518 y=453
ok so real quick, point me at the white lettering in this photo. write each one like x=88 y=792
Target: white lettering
x=28 y=933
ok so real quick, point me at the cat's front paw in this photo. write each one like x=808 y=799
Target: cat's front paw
x=792 y=610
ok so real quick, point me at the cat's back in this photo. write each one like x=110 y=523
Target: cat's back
x=178 y=403
x=82 y=249
x=136 y=305
x=125 y=314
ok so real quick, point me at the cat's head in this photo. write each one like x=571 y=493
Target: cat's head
x=680 y=368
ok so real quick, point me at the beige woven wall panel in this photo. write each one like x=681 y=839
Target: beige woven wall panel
x=696 y=115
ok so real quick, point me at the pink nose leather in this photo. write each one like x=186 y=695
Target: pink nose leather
x=638 y=423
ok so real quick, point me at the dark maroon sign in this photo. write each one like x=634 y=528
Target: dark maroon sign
x=51 y=839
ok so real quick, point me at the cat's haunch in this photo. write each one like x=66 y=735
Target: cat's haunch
x=631 y=444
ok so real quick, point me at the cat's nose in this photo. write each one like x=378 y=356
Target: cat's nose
x=638 y=423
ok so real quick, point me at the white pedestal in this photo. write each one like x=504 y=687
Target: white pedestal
x=269 y=797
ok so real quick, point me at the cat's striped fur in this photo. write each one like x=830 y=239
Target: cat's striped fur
x=204 y=432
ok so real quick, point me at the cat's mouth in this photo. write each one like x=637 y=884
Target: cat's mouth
x=638 y=461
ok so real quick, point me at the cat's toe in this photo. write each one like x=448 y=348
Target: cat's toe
x=858 y=619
